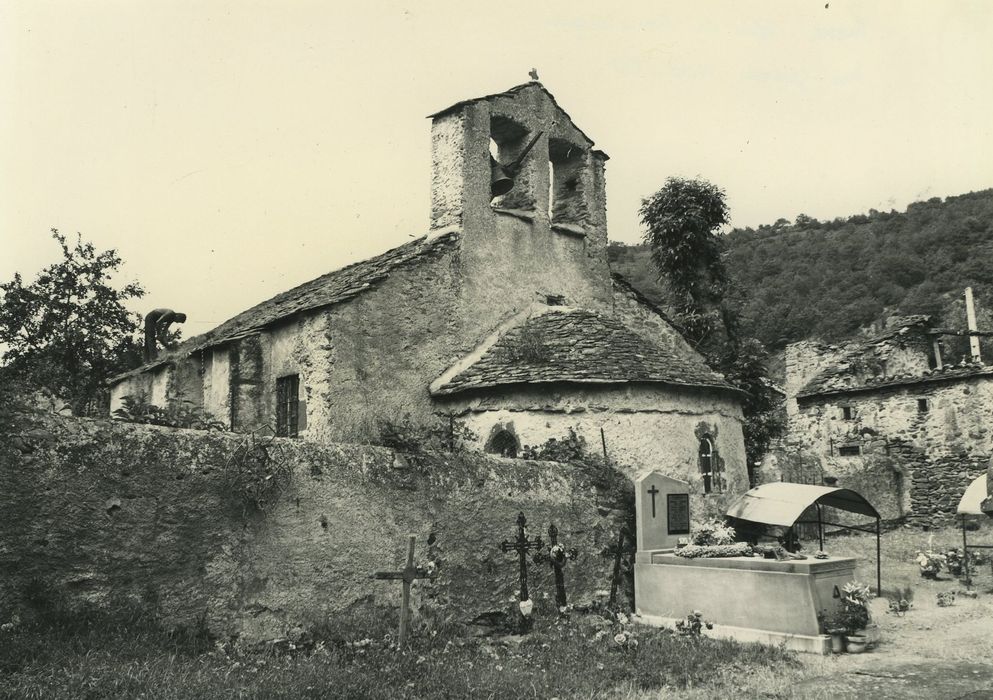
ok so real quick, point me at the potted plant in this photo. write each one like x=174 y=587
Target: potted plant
x=855 y=615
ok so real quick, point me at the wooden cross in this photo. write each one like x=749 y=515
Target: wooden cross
x=618 y=553
x=522 y=545
x=557 y=558
x=654 y=490
x=408 y=574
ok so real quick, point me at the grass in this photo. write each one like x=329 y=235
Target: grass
x=93 y=656
x=58 y=654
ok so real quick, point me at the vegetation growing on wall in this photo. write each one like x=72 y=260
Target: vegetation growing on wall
x=257 y=473
x=179 y=414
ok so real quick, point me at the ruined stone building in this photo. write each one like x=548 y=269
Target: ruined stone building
x=887 y=418
x=504 y=318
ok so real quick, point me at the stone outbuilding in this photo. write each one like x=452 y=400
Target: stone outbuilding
x=885 y=417
x=505 y=318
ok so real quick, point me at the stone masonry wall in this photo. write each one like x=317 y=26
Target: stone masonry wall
x=911 y=460
x=645 y=427
x=101 y=511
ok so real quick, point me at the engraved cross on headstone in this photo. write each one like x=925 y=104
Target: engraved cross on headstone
x=654 y=492
x=522 y=545
x=408 y=574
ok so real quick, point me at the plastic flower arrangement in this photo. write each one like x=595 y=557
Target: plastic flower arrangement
x=526 y=607
x=693 y=625
x=930 y=563
x=712 y=532
x=954 y=560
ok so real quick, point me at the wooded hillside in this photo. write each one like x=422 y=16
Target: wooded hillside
x=829 y=279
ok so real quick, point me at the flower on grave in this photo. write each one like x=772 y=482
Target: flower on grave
x=930 y=563
x=622 y=618
x=599 y=635
x=620 y=638
x=821 y=554
x=431 y=568
x=526 y=607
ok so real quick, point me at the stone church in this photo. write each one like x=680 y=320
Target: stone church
x=504 y=318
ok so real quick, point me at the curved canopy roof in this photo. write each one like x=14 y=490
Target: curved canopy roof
x=782 y=503
x=973 y=497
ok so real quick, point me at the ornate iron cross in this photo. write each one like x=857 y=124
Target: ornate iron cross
x=522 y=545
x=557 y=557
x=408 y=574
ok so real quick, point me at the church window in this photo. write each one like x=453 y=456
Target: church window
x=922 y=406
x=847 y=413
x=849 y=451
x=709 y=466
x=566 y=163
x=503 y=443
x=288 y=406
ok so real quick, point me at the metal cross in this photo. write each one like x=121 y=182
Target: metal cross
x=653 y=491
x=557 y=556
x=522 y=545
x=408 y=574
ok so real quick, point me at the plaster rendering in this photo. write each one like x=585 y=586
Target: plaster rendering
x=505 y=318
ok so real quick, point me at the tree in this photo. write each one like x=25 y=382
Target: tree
x=69 y=331
x=682 y=220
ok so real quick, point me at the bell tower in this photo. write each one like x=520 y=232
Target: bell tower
x=525 y=187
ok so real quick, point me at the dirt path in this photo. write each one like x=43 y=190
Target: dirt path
x=931 y=652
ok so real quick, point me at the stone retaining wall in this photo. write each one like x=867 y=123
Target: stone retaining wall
x=101 y=511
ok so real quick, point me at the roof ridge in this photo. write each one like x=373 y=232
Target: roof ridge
x=294 y=301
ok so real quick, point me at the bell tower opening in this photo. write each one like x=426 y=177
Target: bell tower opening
x=511 y=173
x=566 y=192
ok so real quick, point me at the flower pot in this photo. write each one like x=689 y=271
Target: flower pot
x=837 y=642
x=856 y=643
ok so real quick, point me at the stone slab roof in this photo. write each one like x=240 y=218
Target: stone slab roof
x=834 y=381
x=570 y=345
x=332 y=288
x=839 y=377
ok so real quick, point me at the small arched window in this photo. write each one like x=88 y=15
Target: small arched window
x=707 y=463
x=503 y=443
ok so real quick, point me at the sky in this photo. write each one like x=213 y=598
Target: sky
x=231 y=149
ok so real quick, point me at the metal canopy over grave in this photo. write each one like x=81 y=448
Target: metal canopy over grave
x=783 y=504
x=971 y=506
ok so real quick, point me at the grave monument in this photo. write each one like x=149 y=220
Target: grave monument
x=749 y=599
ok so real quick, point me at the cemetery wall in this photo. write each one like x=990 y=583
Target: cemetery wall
x=100 y=512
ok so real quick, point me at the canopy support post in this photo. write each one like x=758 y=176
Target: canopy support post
x=879 y=565
x=820 y=529
x=965 y=556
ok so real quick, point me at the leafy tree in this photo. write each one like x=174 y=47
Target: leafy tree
x=681 y=221
x=68 y=331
